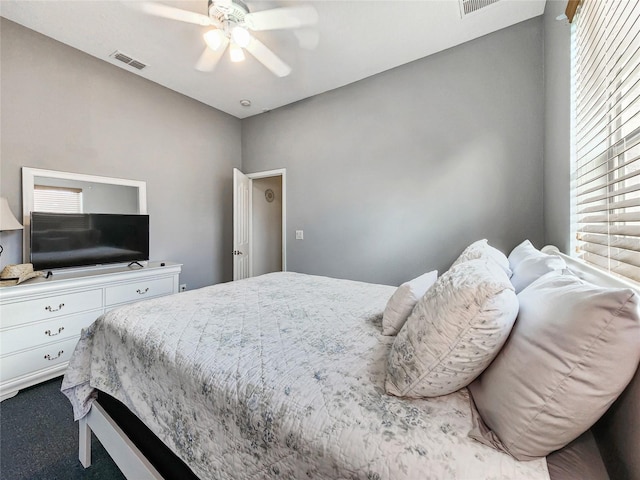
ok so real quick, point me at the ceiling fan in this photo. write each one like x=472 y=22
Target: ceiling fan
x=232 y=25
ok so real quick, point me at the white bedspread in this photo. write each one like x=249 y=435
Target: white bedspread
x=278 y=376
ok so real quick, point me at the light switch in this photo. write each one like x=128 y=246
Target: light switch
x=299 y=235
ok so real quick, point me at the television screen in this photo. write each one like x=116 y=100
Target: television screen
x=61 y=240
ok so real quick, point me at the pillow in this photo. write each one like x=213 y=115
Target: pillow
x=572 y=351
x=401 y=303
x=482 y=249
x=454 y=332
x=529 y=264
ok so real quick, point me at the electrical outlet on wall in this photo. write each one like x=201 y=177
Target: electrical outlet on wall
x=183 y=287
x=299 y=235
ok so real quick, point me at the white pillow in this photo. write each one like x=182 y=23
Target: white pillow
x=482 y=249
x=528 y=264
x=401 y=303
x=572 y=351
x=454 y=332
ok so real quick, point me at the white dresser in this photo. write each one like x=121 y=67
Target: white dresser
x=41 y=320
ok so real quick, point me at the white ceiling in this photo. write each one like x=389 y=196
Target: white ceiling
x=358 y=38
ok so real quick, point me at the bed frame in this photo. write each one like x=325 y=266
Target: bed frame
x=617 y=433
x=137 y=451
x=126 y=455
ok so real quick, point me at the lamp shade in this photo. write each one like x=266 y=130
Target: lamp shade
x=236 y=53
x=215 y=39
x=7 y=220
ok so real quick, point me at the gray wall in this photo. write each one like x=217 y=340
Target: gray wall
x=394 y=175
x=65 y=110
x=557 y=125
x=388 y=177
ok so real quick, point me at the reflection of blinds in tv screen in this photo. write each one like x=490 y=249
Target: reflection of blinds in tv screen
x=61 y=240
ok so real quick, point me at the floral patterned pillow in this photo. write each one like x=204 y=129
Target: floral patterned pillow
x=482 y=249
x=454 y=332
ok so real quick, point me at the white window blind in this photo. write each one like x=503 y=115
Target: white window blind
x=57 y=199
x=606 y=83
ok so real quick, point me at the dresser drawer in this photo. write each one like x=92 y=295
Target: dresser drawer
x=39 y=358
x=36 y=334
x=12 y=314
x=132 y=292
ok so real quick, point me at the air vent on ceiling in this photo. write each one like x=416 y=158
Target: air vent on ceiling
x=128 y=60
x=471 y=6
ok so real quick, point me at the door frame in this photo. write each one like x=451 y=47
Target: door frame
x=279 y=172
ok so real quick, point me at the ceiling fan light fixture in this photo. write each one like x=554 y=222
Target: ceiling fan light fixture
x=215 y=39
x=233 y=25
x=236 y=53
x=240 y=36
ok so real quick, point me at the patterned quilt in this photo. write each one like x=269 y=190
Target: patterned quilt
x=278 y=376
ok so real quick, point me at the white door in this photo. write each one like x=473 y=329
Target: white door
x=241 y=233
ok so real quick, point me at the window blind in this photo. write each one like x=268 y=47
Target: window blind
x=606 y=83
x=57 y=199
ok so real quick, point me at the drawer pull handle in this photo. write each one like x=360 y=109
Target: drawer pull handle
x=48 y=332
x=49 y=357
x=51 y=309
x=142 y=292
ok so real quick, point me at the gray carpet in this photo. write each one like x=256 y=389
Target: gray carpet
x=39 y=439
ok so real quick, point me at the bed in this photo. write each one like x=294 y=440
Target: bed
x=283 y=376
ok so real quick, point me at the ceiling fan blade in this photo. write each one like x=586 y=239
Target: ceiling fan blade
x=165 y=11
x=268 y=58
x=209 y=59
x=277 y=18
x=308 y=38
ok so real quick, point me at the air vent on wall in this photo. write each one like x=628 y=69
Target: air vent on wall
x=128 y=60
x=470 y=6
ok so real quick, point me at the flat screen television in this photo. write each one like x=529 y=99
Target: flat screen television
x=60 y=240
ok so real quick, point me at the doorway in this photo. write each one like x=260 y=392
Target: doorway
x=259 y=223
